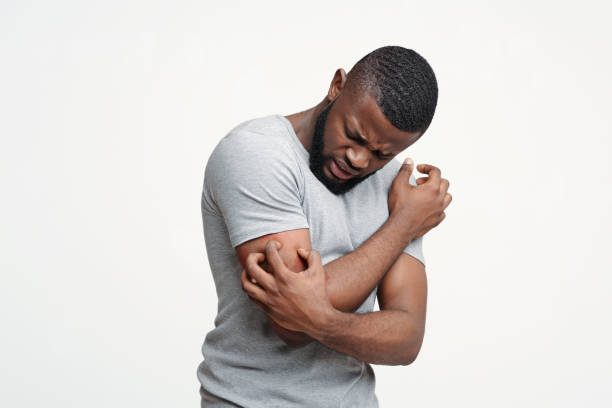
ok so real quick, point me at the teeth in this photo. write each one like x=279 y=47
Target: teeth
x=343 y=169
x=343 y=173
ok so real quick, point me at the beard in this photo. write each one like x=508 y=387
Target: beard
x=317 y=159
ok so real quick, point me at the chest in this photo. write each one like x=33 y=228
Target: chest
x=339 y=224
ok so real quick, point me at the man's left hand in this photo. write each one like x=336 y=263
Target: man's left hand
x=297 y=301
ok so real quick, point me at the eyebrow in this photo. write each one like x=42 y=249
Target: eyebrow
x=359 y=135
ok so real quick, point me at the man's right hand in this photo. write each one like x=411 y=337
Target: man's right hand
x=421 y=207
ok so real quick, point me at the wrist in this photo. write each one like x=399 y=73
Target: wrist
x=401 y=227
x=326 y=323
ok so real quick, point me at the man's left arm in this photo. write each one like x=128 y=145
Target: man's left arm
x=393 y=335
x=298 y=301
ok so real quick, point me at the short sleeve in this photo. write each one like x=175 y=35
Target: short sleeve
x=255 y=183
x=415 y=247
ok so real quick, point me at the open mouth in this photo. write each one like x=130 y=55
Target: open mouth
x=338 y=172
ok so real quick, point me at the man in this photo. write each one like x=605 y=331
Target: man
x=276 y=187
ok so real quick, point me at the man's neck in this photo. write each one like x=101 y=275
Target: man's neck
x=304 y=125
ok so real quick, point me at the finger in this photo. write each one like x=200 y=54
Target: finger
x=274 y=258
x=433 y=171
x=447 y=200
x=259 y=259
x=314 y=262
x=261 y=276
x=444 y=183
x=244 y=276
x=421 y=180
x=303 y=253
x=314 y=258
x=264 y=307
x=252 y=290
x=440 y=218
x=253 y=280
x=267 y=310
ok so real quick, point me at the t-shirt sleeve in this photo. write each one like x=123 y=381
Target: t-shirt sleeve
x=415 y=247
x=256 y=184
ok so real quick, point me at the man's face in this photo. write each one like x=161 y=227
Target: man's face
x=345 y=149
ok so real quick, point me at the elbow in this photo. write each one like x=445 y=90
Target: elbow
x=296 y=344
x=293 y=341
x=410 y=353
x=408 y=359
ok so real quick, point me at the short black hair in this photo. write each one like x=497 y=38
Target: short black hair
x=402 y=83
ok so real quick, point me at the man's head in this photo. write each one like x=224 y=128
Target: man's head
x=384 y=104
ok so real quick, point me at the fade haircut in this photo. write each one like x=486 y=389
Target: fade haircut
x=402 y=83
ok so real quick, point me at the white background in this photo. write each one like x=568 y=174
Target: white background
x=109 y=111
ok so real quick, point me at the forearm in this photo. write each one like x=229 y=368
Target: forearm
x=386 y=337
x=352 y=277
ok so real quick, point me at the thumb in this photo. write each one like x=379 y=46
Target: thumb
x=407 y=166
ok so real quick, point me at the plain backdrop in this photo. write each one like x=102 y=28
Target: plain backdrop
x=109 y=111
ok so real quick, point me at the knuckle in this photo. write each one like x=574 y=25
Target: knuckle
x=253 y=272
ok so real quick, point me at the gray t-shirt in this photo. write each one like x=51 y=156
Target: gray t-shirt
x=258 y=181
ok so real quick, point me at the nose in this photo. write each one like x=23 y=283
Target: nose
x=359 y=157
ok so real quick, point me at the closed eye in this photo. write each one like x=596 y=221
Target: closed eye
x=353 y=137
x=378 y=152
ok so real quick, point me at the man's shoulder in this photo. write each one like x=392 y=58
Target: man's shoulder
x=262 y=127
x=254 y=148
x=261 y=135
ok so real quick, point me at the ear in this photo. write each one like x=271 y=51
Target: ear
x=337 y=84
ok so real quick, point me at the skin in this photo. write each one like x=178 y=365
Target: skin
x=330 y=131
x=305 y=300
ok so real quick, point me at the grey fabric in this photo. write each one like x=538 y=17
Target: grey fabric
x=257 y=181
